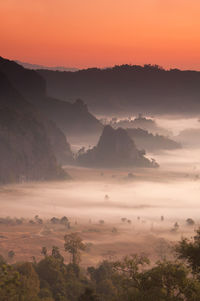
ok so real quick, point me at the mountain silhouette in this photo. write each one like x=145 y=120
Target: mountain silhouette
x=128 y=89
x=71 y=118
x=114 y=149
x=25 y=152
x=150 y=142
x=55 y=68
x=32 y=87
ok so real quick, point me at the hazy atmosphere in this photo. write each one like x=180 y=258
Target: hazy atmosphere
x=99 y=150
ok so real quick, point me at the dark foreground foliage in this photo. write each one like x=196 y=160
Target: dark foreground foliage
x=132 y=278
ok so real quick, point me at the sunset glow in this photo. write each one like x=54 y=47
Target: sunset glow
x=86 y=33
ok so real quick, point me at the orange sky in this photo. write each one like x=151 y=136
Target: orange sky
x=85 y=33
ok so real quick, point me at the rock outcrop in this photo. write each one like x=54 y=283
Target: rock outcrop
x=115 y=149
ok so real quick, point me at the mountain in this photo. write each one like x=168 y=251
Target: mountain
x=114 y=149
x=72 y=119
x=55 y=68
x=151 y=143
x=32 y=87
x=25 y=149
x=128 y=89
x=60 y=146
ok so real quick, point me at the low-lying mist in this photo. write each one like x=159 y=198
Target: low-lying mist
x=153 y=200
x=172 y=190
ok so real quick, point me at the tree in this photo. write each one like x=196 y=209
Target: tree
x=29 y=282
x=64 y=220
x=130 y=266
x=73 y=245
x=190 y=251
x=52 y=274
x=190 y=222
x=166 y=281
x=11 y=254
x=44 y=251
x=2 y=260
x=81 y=151
x=9 y=283
x=169 y=281
x=56 y=253
x=175 y=227
x=54 y=220
x=102 y=272
x=88 y=295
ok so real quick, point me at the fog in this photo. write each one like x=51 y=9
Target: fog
x=150 y=194
x=142 y=195
x=172 y=190
x=176 y=124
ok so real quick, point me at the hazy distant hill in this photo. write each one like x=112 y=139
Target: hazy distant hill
x=70 y=118
x=35 y=66
x=114 y=149
x=25 y=149
x=189 y=137
x=128 y=88
x=152 y=143
x=73 y=119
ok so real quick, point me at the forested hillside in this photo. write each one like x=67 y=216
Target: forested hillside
x=122 y=89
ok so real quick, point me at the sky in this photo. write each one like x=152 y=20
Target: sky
x=102 y=33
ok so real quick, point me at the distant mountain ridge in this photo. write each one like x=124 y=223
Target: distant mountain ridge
x=128 y=89
x=71 y=118
x=54 y=68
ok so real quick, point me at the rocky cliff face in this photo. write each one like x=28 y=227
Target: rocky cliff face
x=32 y=87
x=25 y=149
x=115 y=149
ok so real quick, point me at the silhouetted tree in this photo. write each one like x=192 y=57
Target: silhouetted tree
x=190 y=222
x=44 y=251
x=11 y=254
x=88 y=295
x=56 y=253
x=73 y=245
